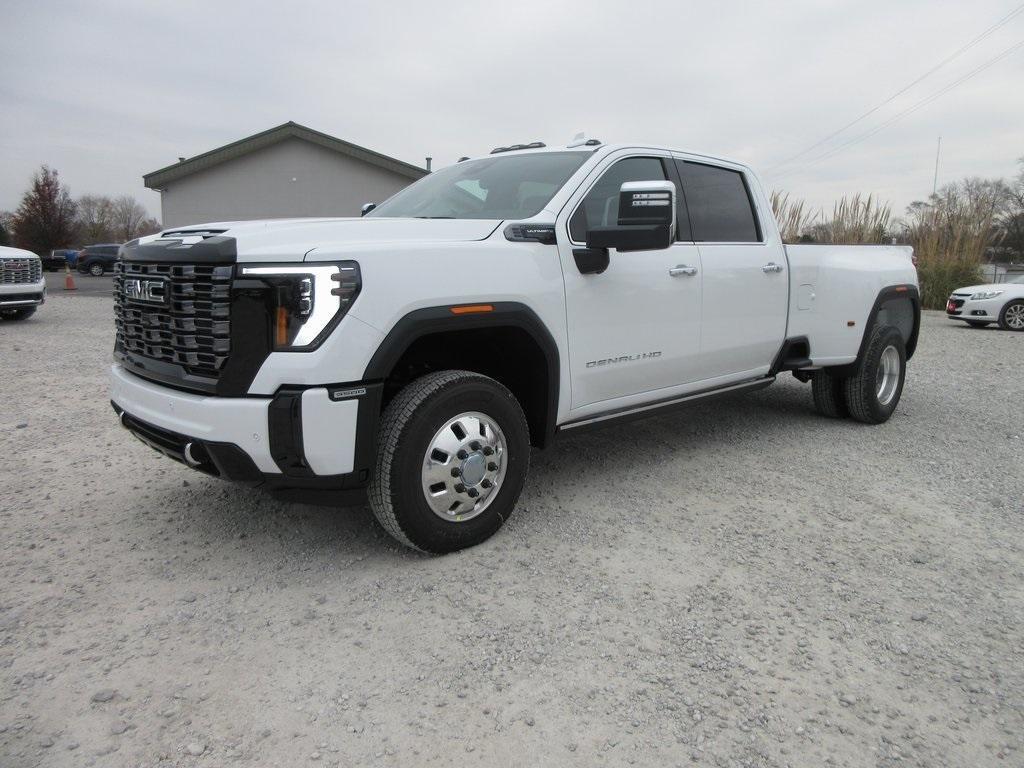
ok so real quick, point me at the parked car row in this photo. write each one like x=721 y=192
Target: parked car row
x=97 y=259
x=59 y=258
x=94 y=260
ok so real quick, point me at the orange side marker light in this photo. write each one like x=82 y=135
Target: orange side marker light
x=281 y=329
x=471 y=309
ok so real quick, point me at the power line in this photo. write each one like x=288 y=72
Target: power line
x=913 y=108
x=1002 y=22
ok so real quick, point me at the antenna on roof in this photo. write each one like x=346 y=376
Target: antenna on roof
x=581 y=140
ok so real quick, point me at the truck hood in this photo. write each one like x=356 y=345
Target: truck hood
x=292 y=239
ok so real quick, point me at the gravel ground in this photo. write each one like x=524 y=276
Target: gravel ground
x=743 y=584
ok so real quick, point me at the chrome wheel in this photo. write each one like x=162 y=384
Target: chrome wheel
x=96 y=270
x=464 y=466
x=1015 y=316
x=888 y=377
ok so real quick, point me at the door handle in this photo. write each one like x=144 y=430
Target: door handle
x=683 y=269
x=771 y=266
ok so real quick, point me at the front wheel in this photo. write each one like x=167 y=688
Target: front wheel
x=96 y=270
x=873 y=392
x=1012 y=316
x=452 y=457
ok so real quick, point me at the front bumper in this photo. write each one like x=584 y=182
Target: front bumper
x=15 y=295
x=979 y=310
x=309 y=444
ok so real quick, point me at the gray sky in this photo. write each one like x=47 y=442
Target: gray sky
x=105 y=91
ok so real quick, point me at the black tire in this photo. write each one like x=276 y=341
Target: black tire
x=862 y=389
x=976 y=324
x=1008 y=324
x=409 y=425
x=829 y=397
x=17 y=314
x=96 y=269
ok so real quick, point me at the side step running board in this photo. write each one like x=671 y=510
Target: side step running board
x=648 y=409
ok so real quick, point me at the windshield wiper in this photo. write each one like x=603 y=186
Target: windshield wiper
x=433 y=217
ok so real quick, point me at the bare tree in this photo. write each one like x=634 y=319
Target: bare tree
x=95 y=219
x=1011 y=221
x=6 y=227
x=127 y=218
x=149 y=227
x=46 y=217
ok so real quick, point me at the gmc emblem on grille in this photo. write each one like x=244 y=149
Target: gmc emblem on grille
x=148 y=291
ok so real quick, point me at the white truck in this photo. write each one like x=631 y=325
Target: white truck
x=22 y=286
x=414 y=355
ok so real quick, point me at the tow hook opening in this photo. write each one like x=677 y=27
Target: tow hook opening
x=189 y=458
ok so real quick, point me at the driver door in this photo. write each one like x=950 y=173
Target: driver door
x=635 y=328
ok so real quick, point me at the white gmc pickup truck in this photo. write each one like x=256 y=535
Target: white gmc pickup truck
x=416 y=354
x=22 y=287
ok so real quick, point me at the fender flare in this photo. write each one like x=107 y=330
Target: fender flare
x=901 y=291
x=440 y=319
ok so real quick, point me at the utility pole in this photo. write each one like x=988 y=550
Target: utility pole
x=935 y=181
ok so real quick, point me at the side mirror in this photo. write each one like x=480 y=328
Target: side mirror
x=367 y=207
x=646 y=222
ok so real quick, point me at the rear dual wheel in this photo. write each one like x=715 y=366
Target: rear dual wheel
x=452 y=458
x=872 y=393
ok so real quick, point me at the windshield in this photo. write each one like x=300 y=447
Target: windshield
x=513 y=187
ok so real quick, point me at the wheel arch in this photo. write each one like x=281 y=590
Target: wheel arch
x=897 y=305
x=435 y=338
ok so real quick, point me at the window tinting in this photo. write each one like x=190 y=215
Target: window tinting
x=719 y=205
x=600 y=208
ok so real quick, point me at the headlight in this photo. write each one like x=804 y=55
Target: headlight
x=306 y=301
x=985 y=295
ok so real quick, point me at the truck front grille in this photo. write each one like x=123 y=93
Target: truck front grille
x=18 y=271
x=177 y=314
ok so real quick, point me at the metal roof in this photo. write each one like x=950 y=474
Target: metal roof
x=289 y=130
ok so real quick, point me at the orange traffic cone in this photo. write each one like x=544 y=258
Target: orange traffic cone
x=69 y=281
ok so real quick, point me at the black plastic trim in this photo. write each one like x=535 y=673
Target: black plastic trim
x=430 y=320
x=224 y=460
x=591 y=261
x=784 y=361
x=531 y=233
x=228 y=461
x=215 y=250
x=284 y=420
x=284 y=424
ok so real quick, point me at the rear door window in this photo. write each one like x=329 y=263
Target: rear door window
x=719 y=204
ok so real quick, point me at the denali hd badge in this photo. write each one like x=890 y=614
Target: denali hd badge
x=147 y=291
x=623 y=359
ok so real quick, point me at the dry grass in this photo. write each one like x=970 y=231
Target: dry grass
x=856 y=220
x=794 y=219
x=950 y=235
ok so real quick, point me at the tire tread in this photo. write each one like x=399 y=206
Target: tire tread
x=827 y=391
x=394 y=421
x=859 y=389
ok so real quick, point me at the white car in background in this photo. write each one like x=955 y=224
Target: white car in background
x=22 y=287
x=979 y=305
